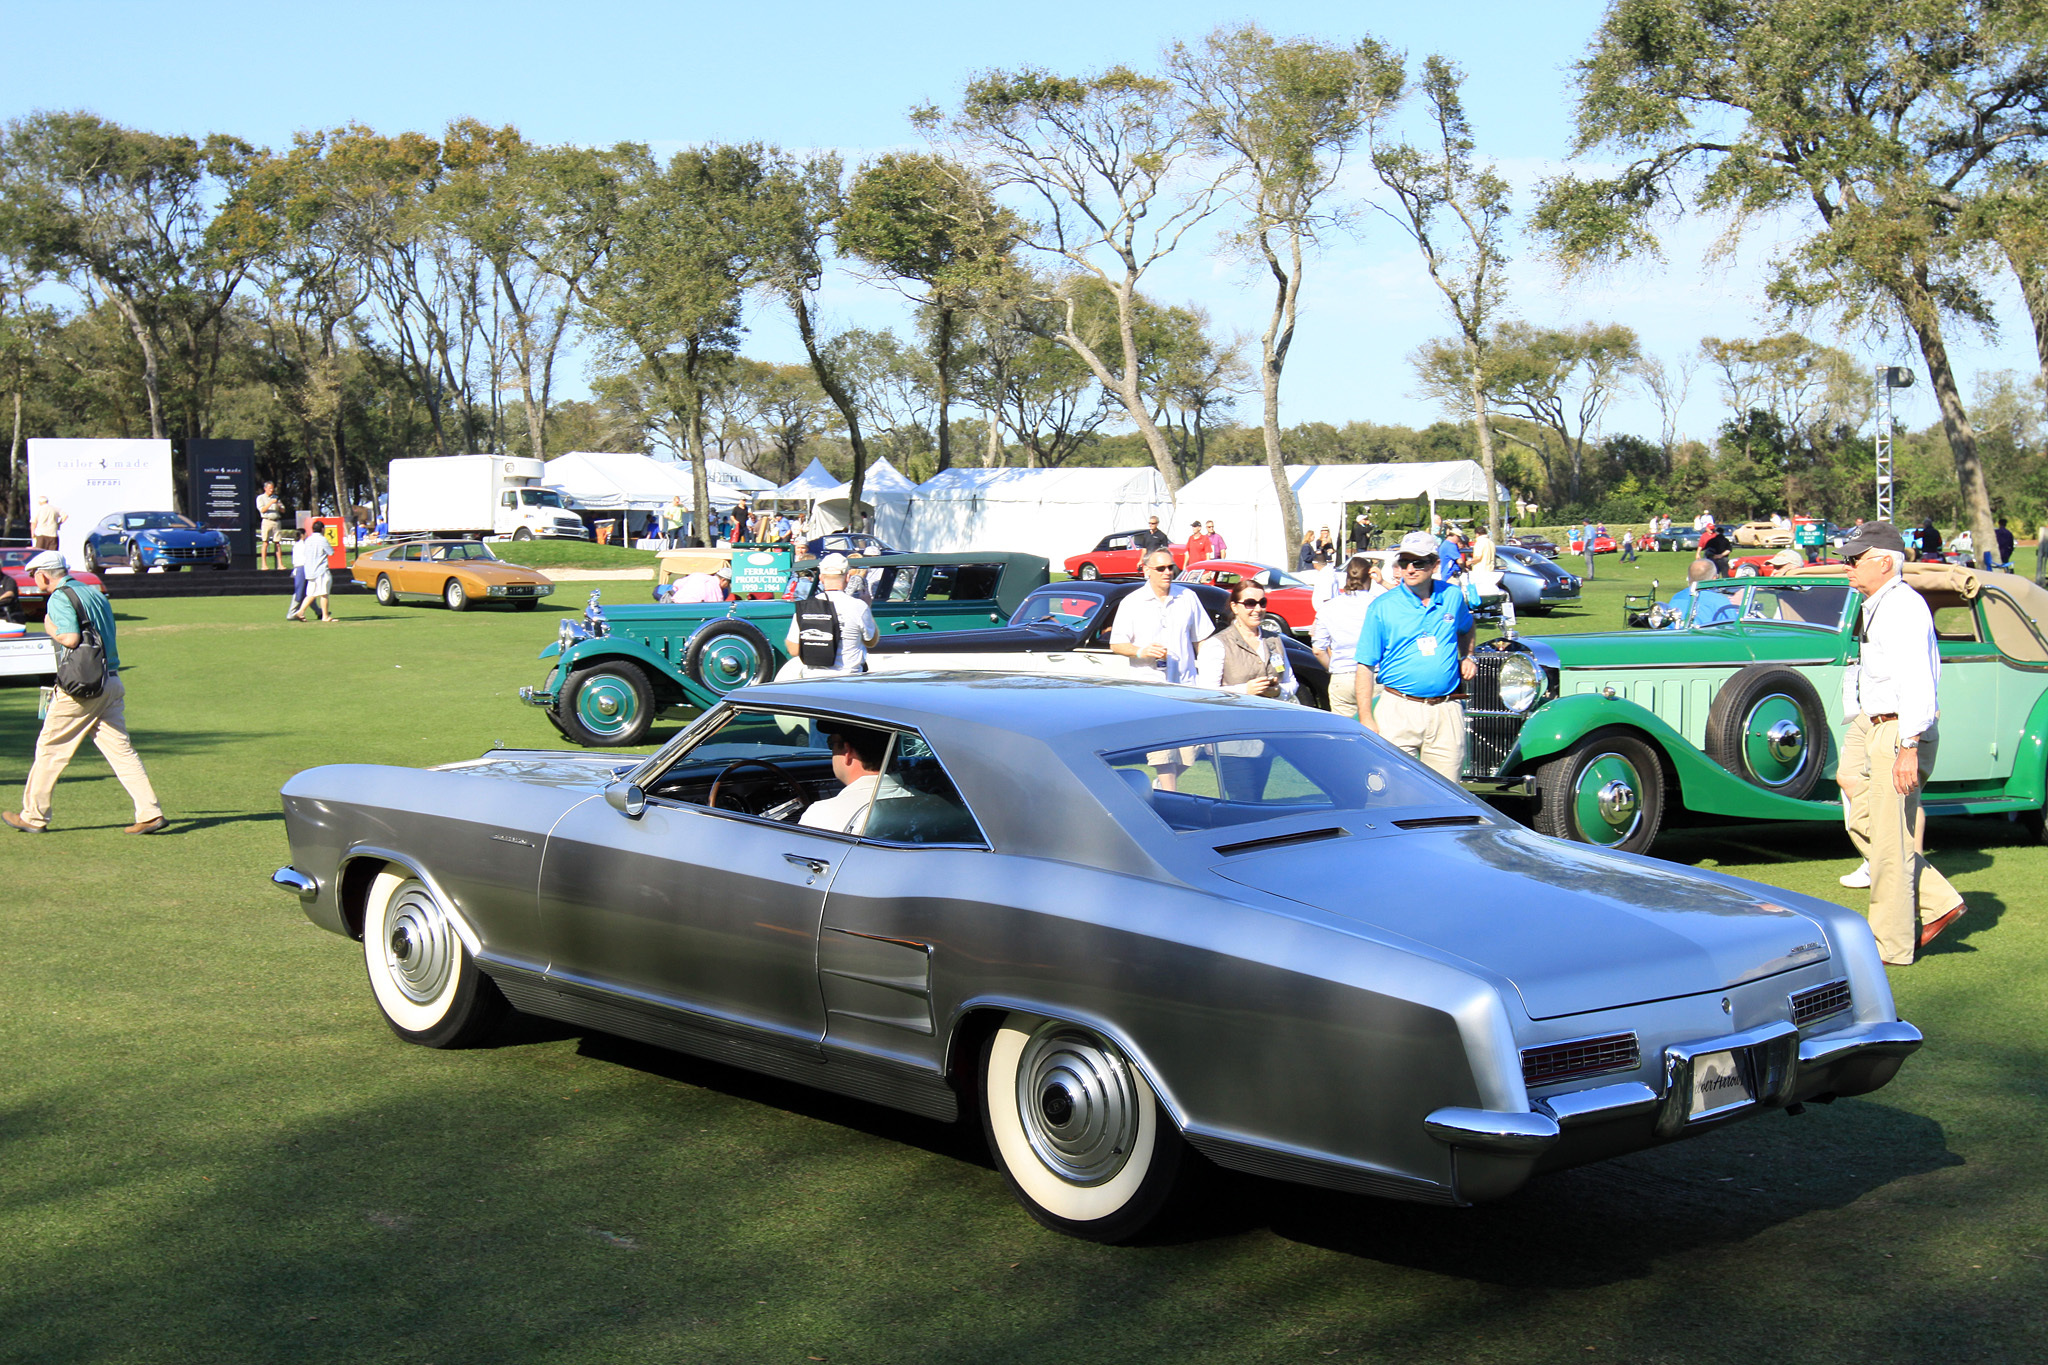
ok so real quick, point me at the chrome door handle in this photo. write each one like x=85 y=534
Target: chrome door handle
x=817 y=866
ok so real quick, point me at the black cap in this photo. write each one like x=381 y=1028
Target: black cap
x=1873 y=535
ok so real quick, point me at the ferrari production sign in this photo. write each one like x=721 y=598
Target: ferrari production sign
x=87 y=479
x=761 y=571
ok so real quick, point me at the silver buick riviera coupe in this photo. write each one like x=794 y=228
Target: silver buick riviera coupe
x=1116 y=920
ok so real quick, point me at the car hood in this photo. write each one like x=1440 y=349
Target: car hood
x=180 y=537
x=566 y=770
x=1574 y=928
x=490 y=571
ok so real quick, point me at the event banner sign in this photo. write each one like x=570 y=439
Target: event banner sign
x=87 y=479
x=221 y=477
x=761 y=571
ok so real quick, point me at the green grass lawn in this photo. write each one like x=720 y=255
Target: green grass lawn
x=572 y=554
x=211 y=1148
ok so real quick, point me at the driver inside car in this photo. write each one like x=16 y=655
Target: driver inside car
x=858 y=754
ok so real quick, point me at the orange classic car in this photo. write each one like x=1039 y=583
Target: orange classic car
x=460 y=573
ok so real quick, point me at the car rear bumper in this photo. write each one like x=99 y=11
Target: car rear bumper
x=1494 y=1152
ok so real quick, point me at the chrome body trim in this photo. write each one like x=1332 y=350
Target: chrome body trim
x=1578 y=1108
x=289 y=878
x=1490 y=1130
x=1895 y=1038
x=533 y=696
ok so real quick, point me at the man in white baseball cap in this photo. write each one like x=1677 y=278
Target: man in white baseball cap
x=829 y=633
x=1413 y=654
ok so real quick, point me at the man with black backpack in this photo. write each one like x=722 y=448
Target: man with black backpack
x=88 y=702
x=830 y=633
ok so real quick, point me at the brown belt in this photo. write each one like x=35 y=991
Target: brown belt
x=1426 y=701
x=1882 y=717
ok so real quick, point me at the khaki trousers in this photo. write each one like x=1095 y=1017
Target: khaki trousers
x=70 y=723
x=1905 y=890
x=1433 y=734
x=1344 y=695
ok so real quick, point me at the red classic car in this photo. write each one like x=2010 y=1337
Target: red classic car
x=1602 y=545
x=1291 y=599
x=29 y=604
x=1762 y=566
x=1117 y=556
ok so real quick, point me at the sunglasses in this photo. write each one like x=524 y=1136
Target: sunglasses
x=1414 y=563
x=1159 y=568
x=1251 y=602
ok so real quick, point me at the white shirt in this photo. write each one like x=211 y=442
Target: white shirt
x=1898 y=670
x=847 y=813
x=1338 y=622
x=311 y=555
x=1144 y=619
x=856 y=628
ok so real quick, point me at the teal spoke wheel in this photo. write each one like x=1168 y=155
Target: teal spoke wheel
x=606 y=706
x=1774 y=740
x=1606 y=790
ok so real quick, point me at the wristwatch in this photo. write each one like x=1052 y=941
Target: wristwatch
x=1912 y=743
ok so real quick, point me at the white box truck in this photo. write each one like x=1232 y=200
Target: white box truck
x=478 y=495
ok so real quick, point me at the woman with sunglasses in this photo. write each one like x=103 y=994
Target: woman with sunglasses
x=1241 y=657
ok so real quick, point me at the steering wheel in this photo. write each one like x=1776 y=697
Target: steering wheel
x=796 y=790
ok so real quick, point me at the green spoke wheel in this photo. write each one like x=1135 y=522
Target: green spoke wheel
x=1767 y=726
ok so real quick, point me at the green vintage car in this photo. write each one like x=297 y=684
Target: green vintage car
x=616 y=670
x=1735 y=712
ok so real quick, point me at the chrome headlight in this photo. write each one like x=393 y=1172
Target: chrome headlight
x=495 y=590
x=1520 y=682
x=571 y=631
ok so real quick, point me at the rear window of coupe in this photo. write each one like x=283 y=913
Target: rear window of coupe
x=1222 y=781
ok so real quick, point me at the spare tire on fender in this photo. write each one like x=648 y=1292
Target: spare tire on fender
x=1768 y=727
x=727 y=655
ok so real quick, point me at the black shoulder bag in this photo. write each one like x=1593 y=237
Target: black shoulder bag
x=817 y=632
x=82 y=672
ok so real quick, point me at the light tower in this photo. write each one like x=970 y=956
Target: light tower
x=1889 y=377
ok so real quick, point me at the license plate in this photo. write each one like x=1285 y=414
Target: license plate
x=1716 y=1083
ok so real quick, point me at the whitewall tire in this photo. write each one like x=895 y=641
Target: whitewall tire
x=421 y=975
x=1078 y=1134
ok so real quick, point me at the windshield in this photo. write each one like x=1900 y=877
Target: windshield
x=1278 y=578
x=540 y=497
x=156 y=521
x=1717 y=604
x=1065 y=609
x=461 y=549
x=1222 y=781
x=1807 y=605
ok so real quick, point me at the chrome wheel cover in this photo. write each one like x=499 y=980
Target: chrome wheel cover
x=1077 y=1104
x=606 y=704
x=1607 y=804
x=420 y=949
x=1774 y=741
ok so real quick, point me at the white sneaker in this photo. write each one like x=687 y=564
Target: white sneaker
x=1859 y=879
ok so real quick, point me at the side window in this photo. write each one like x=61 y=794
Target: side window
x=898 y=583
x=1955 y=623
x=407 y=553
x=1115 y=543
x=2015 y=638
x=939 y=581
x=974 y=582
x=916 y=803
x=765 y=763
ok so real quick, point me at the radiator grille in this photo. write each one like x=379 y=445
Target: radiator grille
x=1490 y=727
x=1820 y=1002
x=1580 y=1057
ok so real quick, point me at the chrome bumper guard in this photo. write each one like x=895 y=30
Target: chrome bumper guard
x=1773 y=1060
x=533 y=696
x=289 y=878
x=1500 y=786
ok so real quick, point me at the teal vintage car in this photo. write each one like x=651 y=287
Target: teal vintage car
x=1735 y=711
x=620 y=667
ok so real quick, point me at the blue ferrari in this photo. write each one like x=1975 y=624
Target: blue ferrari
x=150 y=540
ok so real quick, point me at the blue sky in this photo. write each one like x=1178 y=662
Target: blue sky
x=842 y=76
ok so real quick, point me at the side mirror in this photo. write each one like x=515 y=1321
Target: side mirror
x=626 y=798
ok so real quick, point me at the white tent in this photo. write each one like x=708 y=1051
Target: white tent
x=615 y=481
x=1241 y=500
x=826 y=503
x=1052 y=512
x=732 y=476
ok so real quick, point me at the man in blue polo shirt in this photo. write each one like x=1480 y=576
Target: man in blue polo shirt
x=73 y=720
x=1414 y=652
